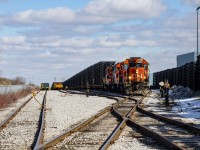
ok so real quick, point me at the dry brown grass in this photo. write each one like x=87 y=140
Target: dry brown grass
x=8 y=99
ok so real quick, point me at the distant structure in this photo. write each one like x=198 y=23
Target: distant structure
x=151 y=79
x=186 y=58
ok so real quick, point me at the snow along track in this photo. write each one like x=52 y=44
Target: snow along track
x=20 y=131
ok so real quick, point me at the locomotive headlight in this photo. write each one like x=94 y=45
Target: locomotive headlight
x=144 y=77
x=129 y=77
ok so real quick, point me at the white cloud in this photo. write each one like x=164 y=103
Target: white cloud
x=192 y=2
x=59 y=15
x=121 y=9
x=96 y=12
x=59 y=66
x=137 y=43
x=66 y=41
x=13 y=40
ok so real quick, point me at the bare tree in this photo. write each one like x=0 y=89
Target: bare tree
x=18 y=80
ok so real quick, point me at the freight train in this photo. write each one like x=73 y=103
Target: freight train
x=128 y=76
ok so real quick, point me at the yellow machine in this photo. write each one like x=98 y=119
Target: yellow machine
x=57 y=86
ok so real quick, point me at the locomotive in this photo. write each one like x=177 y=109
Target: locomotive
x=127 y=76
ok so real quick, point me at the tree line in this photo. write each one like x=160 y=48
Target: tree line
x=15 y=81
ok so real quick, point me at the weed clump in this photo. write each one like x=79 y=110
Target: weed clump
x=9 y=98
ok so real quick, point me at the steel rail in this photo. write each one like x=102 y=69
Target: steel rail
x=95 y=93
x=142 y=129
x=187 y=126
x=60 y=137
x=41 y=132
x=111 y=139
x=4 y=123
x=117 y=131
x=67 y=133
x=157 y=136
x=154 y=135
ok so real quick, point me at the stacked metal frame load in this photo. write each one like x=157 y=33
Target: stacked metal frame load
x=91 y=77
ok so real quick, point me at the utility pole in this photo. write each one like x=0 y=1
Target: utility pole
x=197 y=32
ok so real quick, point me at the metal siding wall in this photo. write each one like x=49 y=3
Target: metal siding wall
x=185 y=58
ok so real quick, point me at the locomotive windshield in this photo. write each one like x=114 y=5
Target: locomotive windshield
x=137 y=65
x=131 y=64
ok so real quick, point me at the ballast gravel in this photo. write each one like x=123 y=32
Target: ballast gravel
x=63 y=110
x=20 y=132
x=5 y=112
x=127 y=141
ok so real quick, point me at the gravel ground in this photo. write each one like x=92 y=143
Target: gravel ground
x=92 y=136
x=128 y=141
x=171 y=132
x=65 y=110
x=5 y=112
x=20 y=132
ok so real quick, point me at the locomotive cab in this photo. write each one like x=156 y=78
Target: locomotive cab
x=137 y=74
x=138 y=70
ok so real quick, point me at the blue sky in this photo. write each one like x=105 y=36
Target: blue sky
x=10 y=6
x=48 y=40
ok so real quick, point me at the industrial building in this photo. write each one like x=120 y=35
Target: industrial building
x=186 y=58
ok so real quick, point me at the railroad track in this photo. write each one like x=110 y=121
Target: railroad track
x=40 y=134
x=100 y=131
x=95 y=123
x=4 y=123
x=171 y=133
x=104 y=128
x=19 y=129
x=164 y=135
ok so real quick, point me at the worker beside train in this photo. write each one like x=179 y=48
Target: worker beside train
x=161 y=89
x=164 y=91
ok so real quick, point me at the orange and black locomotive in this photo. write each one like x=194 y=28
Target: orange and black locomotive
x=126 y=76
